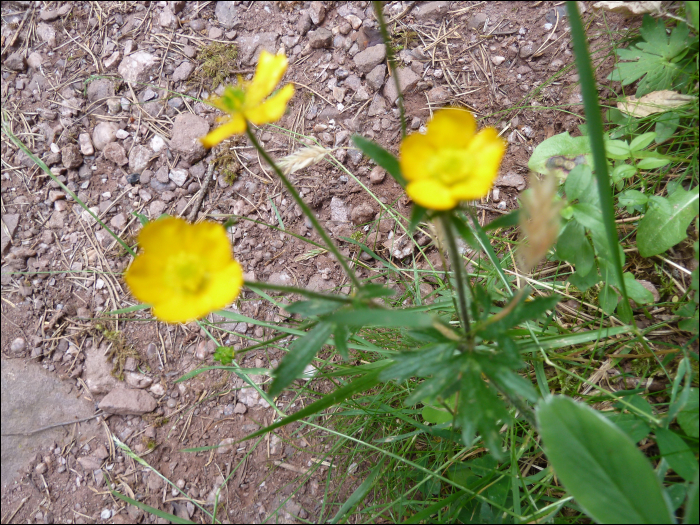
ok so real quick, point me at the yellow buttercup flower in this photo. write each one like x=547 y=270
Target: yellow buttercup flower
x=246 y=102
x=451 y=162
x=184 y=270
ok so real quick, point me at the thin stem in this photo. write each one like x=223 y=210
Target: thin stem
x=453 y=255
x=306 y=210
x=392 y=62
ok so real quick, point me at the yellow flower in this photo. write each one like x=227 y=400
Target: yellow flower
x=451 y=162
x=184 y=270
x=246 y=102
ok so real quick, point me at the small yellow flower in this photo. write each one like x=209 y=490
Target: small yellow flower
x=184 y=270
x=246 y=102
x=451 y=162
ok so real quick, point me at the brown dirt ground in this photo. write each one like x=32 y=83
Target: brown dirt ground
x=532 y=94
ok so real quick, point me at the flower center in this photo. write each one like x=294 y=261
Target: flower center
x=186 y=274
x=450 y=167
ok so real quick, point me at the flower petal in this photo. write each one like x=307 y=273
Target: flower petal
x=210 y=239
x=145 y=279
x=268 y=73
x=416 y=153
x=236 y=125
x=272 y=109
x=162 y=236
x=451 y=128
x=431 y=194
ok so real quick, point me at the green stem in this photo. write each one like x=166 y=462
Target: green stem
x=306 y=210
x=392 y=62
x=453 y=255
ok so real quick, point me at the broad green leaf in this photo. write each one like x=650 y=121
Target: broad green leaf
x=617 y=149
x=658 y=231
x=584 y=282
x=642 y=141
x=632 y=198
x=692 y=12
x=558 y=145
x=573 y=246
x=599 y=464
x=437 y=413
x=666 y=126
x=301 y=352
x=578 y=182
x=691 y=504
x=607 y=299
x=677 y=453
x=341 y=333
x=591 y=218
x=622 y=171
x=651 y=163
x=313 y=307
x=381 y=156
x=688 y=417
x=384 y=318
x=632 y=425
x=636 y=291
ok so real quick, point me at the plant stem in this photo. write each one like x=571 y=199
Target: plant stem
x=392 y=62
x=453 y=255
x=306 y=210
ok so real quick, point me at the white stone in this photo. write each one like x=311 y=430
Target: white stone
x=157 y=143
x=178 y=176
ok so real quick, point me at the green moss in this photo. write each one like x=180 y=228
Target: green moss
x=218 y=61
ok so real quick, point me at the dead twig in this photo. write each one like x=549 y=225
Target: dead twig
x=202 y=193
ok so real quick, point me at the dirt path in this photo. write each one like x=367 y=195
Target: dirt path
x=94 y=90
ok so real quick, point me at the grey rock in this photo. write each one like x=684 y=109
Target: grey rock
x=407 y=80
x=137 y=380
x=355 y=156
x=187 y=130
x=511 y=180
x=556 y=65
x=178 y=176
x=48 y=15
x=167 y=18
x=10 y=222
x=438 y=95
x=104 y=133
x=125 y=401
x=86 y=147
x=156 y=209
x=197 y=24
x=215 y=33
x=34 y=60
x=18 y=345
x=111 y=60
x=118 y=221
x=339 y=211
x=318 y=283
x=375 y=78
x=137 y=67
x=71 y=157
x=320 y=38
x=183 y=72
x=115 y=152
x=280 y=279
x=355 y=21
x=226 y=445
x=362 y=214
x=251 y=45
x=477 y=21
x=46 y=33
x=377 y=106
x=226 y=13
x=100 y=89
x=428 y=10
x=15 y=62
x=377 y=175
x=97 y=373
x=371 y=57
x=304 y=23
x=139 y=158
x=177 y=6
x=527 y=50
x=317 y=12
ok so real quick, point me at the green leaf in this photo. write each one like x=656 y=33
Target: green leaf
x=418 y=213
x=632 y=198
x=301 y=352
x=558 y=145
x=341 y=334
x=313 y=307
x=584 y=282
x=224 y=355
x=504 y=221
x=636 y=291
x=617 y=149
x=632 y=425
x=691 y=12
x=666 y=126
x=599 y=465
x=437 y=413
x=651 y=163
x=658 y=230
x=607 y=299
x=642 y=141
x=591 y=218
x=381 y=156
x=384 y=318
x=360 y=492
x=688 y=417
x=523 y=311
x=691 y=504
x=622 y=171
x=677 y=453
x=578 y=182
x=573 y=246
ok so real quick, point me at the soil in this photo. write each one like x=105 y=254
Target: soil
x=66 y=72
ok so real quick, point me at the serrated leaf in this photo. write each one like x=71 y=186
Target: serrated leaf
x=558 y=145
x=301 y=352
x=658 y=230
x=381 y=156
x=677 y=453
x=599 y=465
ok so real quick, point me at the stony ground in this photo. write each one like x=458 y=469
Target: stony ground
x=109 y=95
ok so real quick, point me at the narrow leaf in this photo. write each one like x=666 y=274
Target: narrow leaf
x=381 y=156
